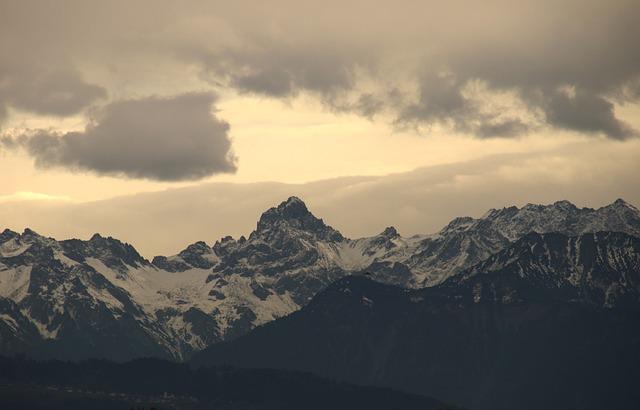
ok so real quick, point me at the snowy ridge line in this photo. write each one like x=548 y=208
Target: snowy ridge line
x=104 y=290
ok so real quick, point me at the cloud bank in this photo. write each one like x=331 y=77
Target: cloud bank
x=164 y=139
x=435 y=64
x=490 y=69
x=590 y=173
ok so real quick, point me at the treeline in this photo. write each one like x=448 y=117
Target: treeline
x=222 y=387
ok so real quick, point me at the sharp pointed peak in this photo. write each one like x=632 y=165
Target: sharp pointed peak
x=30 y=232
x=8 y=234
x=390 y=232
x=8 y=231
x=293 y=203
x=292 y=208
x=293 y=200
x=96 y=237
x=621 y=203
x=294 y=213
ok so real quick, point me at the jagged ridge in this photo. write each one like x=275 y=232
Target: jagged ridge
x=180 y=304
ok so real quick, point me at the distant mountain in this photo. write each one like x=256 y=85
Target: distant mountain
x=78 y=312
x=99 y=298
x=466 y=241
x=549 y=322
x=152 y=383
x=600 y=269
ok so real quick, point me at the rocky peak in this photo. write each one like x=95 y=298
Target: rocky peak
x=31 y=237
x=197 y=255
x=199 y=247
x=390 y=232
x=222 y=246
x=112 y=252
x=498 y=213
x=293 y=209
x=293 y=213
x=458 y=225
x=28 y=233
x=8 y=234
x=533 y=207
x=114 y=245
x=565 y=205
x=621 y=204
x=225 y=240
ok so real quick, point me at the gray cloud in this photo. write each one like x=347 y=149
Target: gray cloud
x=410 y=60
x=585 y=112
x=274 y=69
x=441 y=100
x=59 y=92
x=533 y=50
x=166 y=139
x=511 y=127
x=3 y=113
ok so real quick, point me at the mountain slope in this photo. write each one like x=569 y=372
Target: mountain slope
x=466 y=241
x=535 y=326
x=77 y=311
x=82 y=295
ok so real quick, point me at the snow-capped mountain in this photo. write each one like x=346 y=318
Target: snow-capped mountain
x=99 y=297
x=466 y=241
x=550 y=313
x=59 y=288
x=599 y=269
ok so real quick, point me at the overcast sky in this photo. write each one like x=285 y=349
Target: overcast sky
x=142 y=117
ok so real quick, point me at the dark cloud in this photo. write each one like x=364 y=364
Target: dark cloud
x=411 y=60
x=532 y=49
x=442 y=101
x=165 y=139
x=272 y=69
x=511 y=127
x=585 y=112
x=59 y=92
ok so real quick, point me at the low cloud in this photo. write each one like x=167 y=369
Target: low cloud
x=421 y=201
x=164 y=139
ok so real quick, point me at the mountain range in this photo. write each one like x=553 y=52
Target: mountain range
x=75 y=299
x=550 y=322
